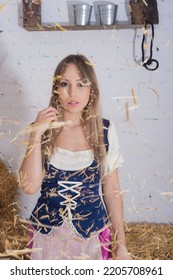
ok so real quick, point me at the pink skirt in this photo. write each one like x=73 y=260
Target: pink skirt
x=63 y=243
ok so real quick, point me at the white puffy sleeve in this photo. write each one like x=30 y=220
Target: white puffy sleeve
x=114 y=158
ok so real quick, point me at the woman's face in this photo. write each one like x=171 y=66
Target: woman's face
x=73 y=91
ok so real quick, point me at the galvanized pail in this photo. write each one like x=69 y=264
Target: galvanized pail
x=82 y=14
x=108 y=13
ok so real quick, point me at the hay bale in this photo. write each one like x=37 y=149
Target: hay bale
x=150 y=241
x=8 y=186
x=13 y=234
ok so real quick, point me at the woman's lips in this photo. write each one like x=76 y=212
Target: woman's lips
x=73 y=102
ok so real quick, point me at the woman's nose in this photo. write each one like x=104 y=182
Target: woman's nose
x=72 y=90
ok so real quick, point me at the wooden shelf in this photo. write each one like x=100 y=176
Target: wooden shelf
x=64 y=27
x=32 y=21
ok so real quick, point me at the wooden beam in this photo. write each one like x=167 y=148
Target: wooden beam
x=31 y=13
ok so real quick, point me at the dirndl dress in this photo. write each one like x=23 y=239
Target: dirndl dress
x=70 y=221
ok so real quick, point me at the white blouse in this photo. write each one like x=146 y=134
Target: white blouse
x=70 y=160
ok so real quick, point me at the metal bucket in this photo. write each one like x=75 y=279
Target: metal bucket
x=82 y=14
x=108 y=13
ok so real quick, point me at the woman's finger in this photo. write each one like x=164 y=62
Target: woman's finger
x=49 y=109
x=46 y=113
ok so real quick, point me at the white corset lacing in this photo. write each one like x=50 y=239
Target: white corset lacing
x=68 y=201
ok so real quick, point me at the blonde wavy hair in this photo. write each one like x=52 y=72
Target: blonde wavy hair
x=91 y=119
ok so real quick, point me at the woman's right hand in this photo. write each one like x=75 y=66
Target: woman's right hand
x=43 y=120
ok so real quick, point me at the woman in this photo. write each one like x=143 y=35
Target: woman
x=73 y=155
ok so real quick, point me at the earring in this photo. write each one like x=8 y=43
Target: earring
x=90 y=102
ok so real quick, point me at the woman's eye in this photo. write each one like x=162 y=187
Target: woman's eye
x=64 y=84
x=82 y=85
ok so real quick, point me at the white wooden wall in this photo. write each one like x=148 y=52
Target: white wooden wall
x=27 y=63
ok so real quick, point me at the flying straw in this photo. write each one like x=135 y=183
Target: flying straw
x=134 y=98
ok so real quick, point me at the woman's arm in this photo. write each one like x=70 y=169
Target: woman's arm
x=114 y=204
x=31 y=171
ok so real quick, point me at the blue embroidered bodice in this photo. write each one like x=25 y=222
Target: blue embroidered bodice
x=72 y=196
